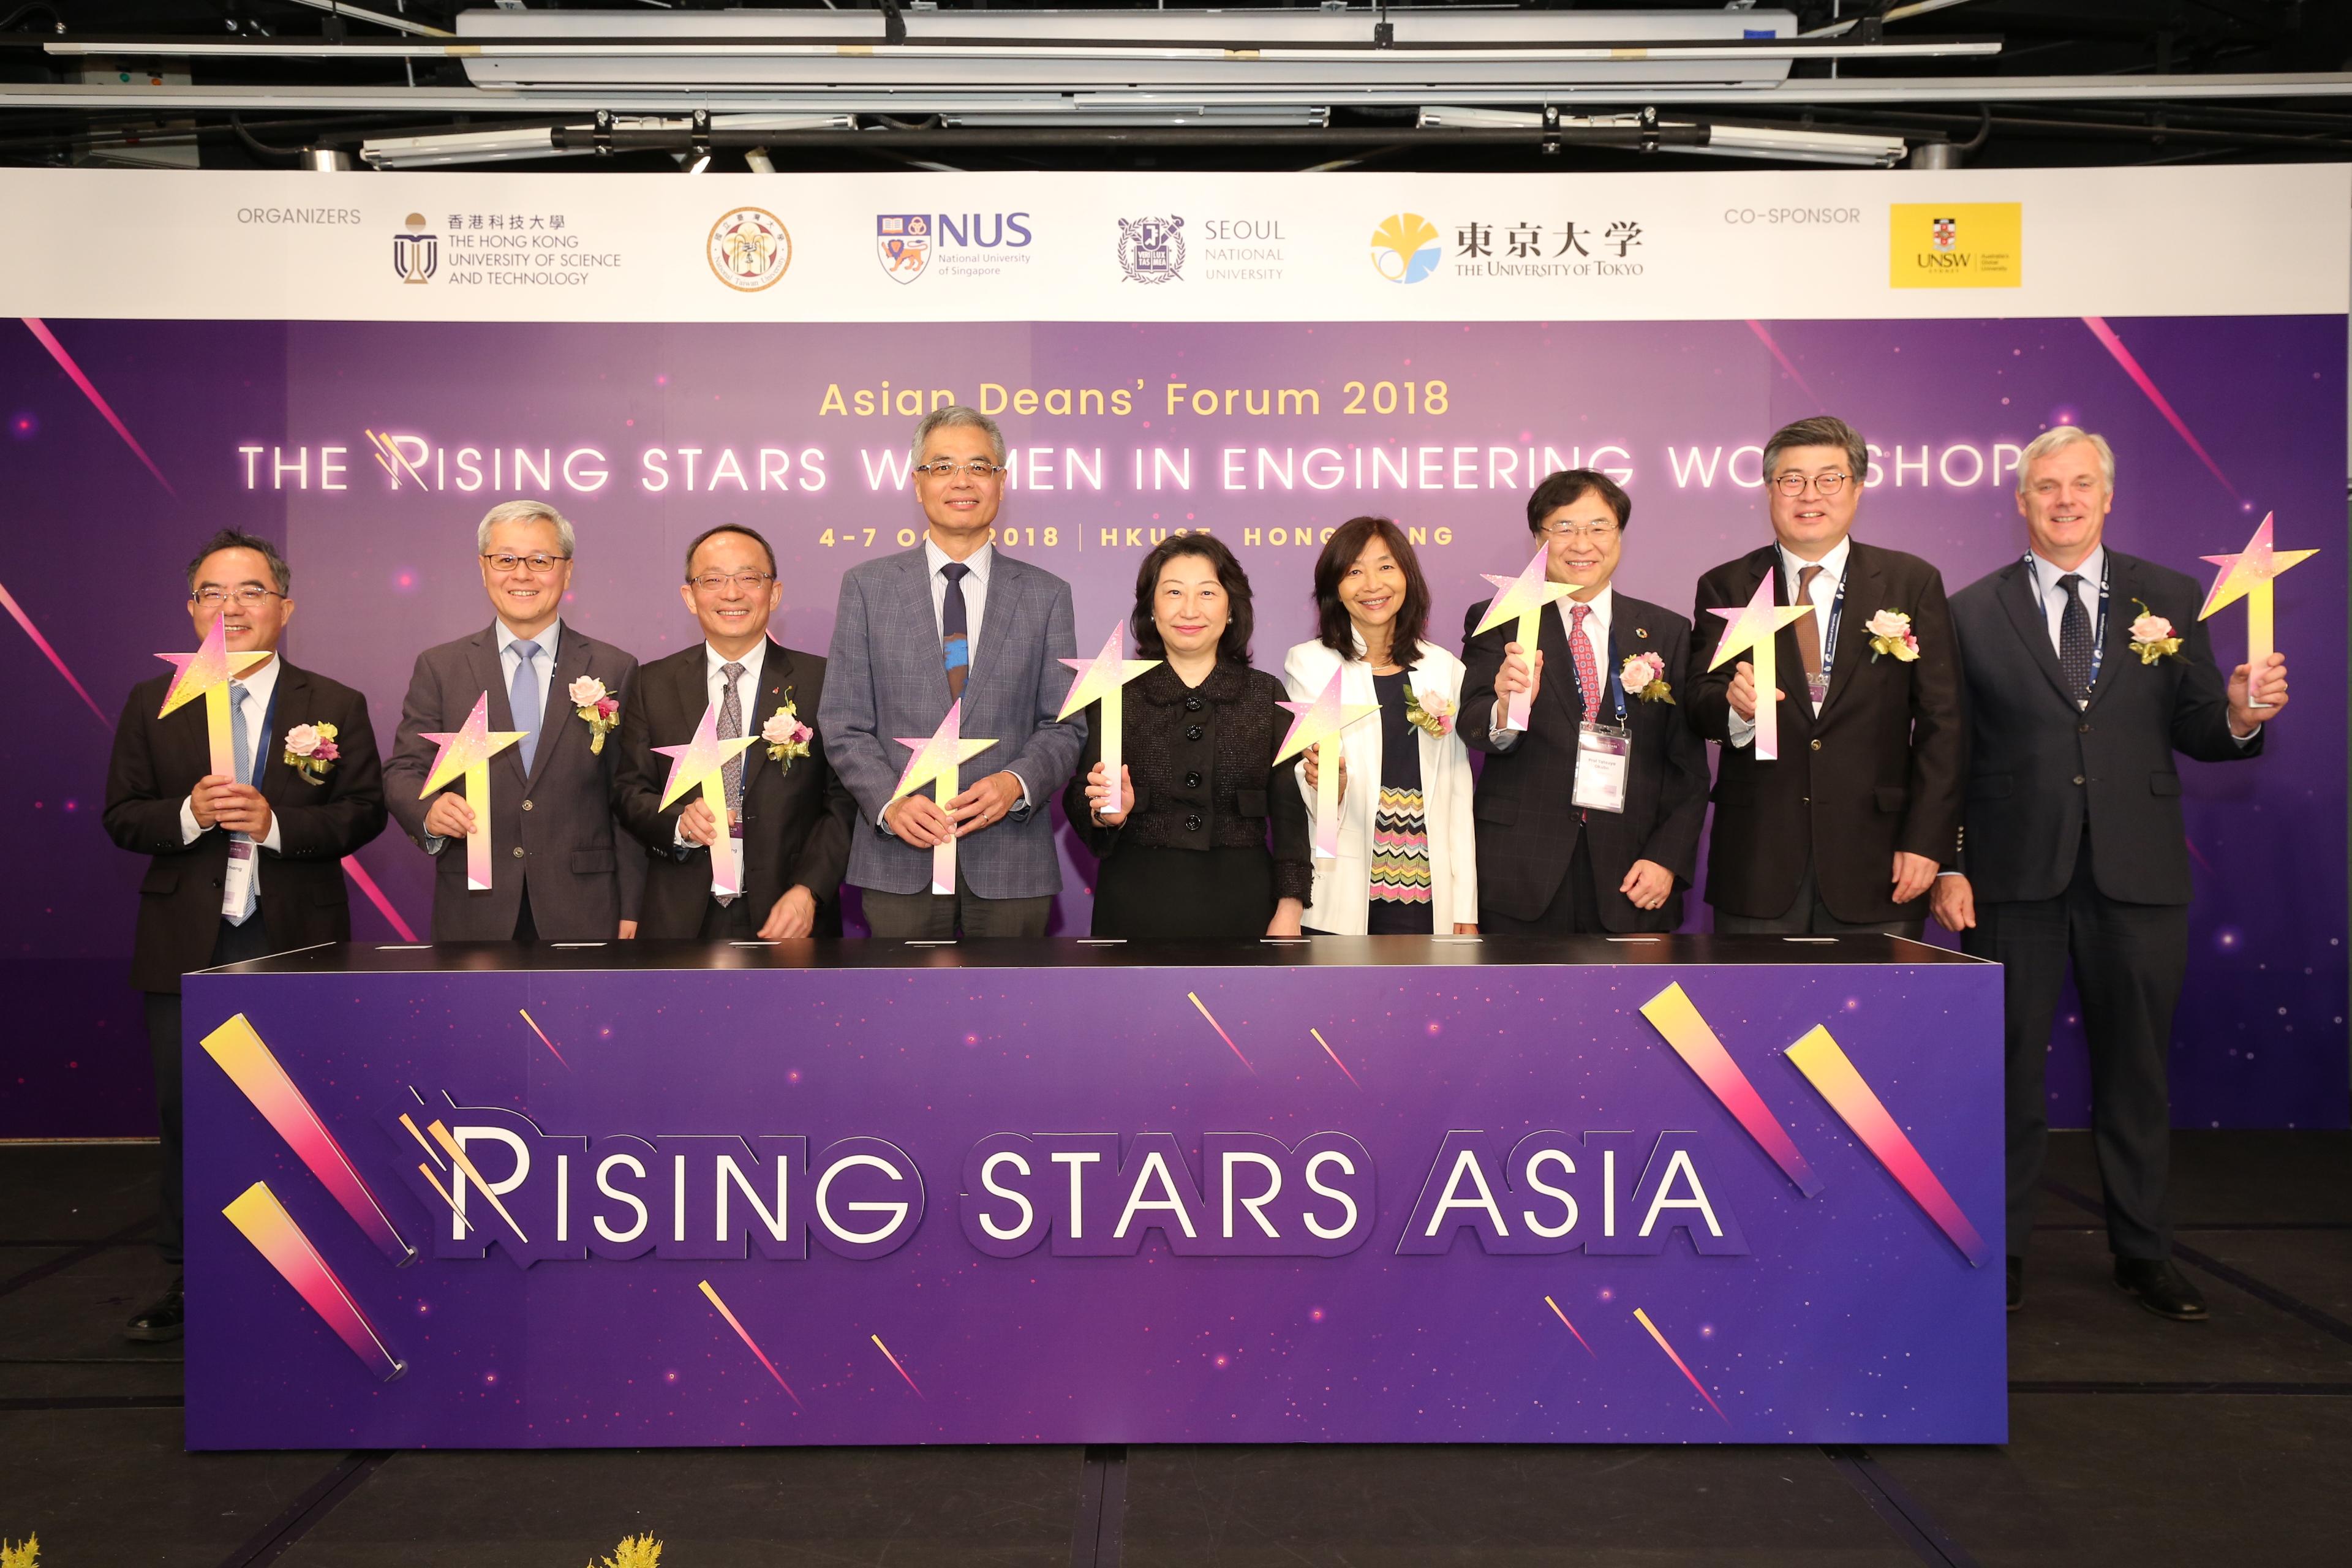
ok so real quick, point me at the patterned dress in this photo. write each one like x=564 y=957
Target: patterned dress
x=1401 y=897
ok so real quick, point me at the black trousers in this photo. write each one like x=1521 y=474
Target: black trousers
x=731 y=922
x=2128 y=962
x=935 y=917
x=234 y=944
x=1574 y=909
x=1808 y=916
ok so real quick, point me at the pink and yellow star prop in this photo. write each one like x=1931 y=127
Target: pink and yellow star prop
x=2248 y=575
x=206 y=673
x=465 y=753
x=1522 y=597
x=701 y=763
x=1103 y=678
x=935 y=764
x=1754 y=631
x=1317 y=724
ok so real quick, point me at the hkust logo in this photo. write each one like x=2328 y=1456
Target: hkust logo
x=414 y=253
x=967 y=245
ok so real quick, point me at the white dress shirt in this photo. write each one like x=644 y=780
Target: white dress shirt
x=259 y=686
x=1596 y=631
x=2052 y=596
x=1821 y=596
x=747 y=692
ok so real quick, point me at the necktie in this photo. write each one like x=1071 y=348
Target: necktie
x=955 y=637
x=240 y=741
x=2075 y=638
x=1809 y=635
x=731 y=726
x=522 y=698
x=1588 y=670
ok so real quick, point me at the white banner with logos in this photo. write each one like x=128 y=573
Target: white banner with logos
x=1083 y=247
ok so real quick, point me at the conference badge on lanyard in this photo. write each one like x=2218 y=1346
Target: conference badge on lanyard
x=1605 y=754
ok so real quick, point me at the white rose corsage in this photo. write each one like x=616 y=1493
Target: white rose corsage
x=786 y=736
x=1644 y=675
x=1429 y=711
x=597 y=709
x=310 y=752
x=2152 y=636
x=1891 y=635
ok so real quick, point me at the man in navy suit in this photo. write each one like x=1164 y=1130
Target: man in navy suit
x=952 y=620
x=2073 y=847
x=1548 y=866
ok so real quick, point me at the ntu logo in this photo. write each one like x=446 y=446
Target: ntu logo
x=1405 y=247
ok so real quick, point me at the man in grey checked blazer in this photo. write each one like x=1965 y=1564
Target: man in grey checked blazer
x=953 y=619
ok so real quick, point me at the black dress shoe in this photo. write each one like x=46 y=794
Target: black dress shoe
x=2016 y=1283
x=162 y=1320
x=2161 y=1289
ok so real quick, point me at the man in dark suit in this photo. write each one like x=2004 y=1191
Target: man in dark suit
x=1548 y=866
x=786 y=809
x=2075 y=846
x=293 y=825
x=1847 y=829
x=557 y=871
x=954 y=619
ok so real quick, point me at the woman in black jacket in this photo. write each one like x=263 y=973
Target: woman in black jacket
x=1184 y=847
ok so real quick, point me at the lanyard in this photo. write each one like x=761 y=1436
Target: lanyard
x=1837 y=615
x=1609 y=648
x=2098 y=631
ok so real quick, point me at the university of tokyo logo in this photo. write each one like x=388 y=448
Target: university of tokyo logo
x=1405 y=247
x=902 y=242
x=1150 y=251
x=750 y=249
x=414 y=253
x=1947 y=233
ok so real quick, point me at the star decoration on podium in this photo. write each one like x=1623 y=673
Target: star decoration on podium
x=1317 y=724
x=210 y=669
x=1754 y=631
x=471 y=745
x=702 y=760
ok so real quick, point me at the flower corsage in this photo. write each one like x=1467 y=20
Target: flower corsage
x=2152 y=636
x=786 y=736
x=599 y=710
x=310 y=752
x=1428 y=710
x=1644 y=675
x=1891 y=635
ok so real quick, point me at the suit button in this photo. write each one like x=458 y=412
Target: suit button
x=526 y=805
x=2078 y=778
x=518 y=850
x=1816 y=745
x=2082 y=729
x=1191 y=705
x=1193 y=823
x=1192 y=780
x=1193 y=731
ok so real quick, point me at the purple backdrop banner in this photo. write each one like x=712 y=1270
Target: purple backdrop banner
x=1368 y=1202
x=373 y=448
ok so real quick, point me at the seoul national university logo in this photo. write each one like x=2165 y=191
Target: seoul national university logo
x=1150 y=251
x=1405 y=247
x=1947 y=233
x=902 y=242
x=414 y=253
x=749 y=249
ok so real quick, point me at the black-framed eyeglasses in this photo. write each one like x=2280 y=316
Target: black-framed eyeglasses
x=716 y=581
x=539 y=562
x=1823 y=484
x=247 y=597
x=978 y=468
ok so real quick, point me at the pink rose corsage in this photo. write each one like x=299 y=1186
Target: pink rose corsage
x=1644 y=675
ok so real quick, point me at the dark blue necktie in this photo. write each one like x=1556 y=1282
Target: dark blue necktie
x=955 y=636
x=2075 y=638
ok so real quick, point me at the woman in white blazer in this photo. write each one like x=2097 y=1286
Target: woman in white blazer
x=1408 y=857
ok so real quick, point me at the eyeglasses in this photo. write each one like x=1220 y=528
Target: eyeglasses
x=716 y=581
x=540 y=562
x=1599 y=534
x=247 y=597
x=1824 y=485
x=978 y=468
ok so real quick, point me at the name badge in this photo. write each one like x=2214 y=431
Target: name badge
x=238 y=884
x=1818 y=687
x=1604 y=759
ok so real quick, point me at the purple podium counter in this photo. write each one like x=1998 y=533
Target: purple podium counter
x=1350 y=1190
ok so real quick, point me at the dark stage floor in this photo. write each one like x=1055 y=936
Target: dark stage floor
x=2134 y=1441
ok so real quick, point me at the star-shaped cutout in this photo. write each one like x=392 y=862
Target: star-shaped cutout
x=1100 y=676
x=1755 y=624
x=1521 y=595
x=2257 y=564
x=704 y=757
x=1322 y=718
x=939 y=755
x=210 y=666
x=473 y=741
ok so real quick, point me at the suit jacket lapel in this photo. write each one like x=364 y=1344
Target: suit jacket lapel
x=1864 y=585
x=2122 y=587
x=555 y=719
x=996 y=610
x=775 y=674
x=2015 y=593
x=915 y=610
x=486 y=671
x=1551 y=640
x=288 y=705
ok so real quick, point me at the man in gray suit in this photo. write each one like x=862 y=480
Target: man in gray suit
x=556 y=873
x=953 y=620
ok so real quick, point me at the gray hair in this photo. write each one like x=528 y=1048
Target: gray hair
x=957 y=417
x=2057 y=439
x=1821 y=430
x=524 y=511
